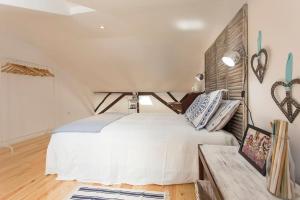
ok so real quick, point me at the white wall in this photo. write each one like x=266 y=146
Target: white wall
x=279 y=22
x=31 y=105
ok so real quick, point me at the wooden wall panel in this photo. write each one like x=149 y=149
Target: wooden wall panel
x=219 y=76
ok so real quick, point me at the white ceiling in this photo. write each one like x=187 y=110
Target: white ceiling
x=140 y=49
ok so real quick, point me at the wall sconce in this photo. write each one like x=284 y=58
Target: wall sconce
x=197 y=87
x=199 y=77
x=231 y=58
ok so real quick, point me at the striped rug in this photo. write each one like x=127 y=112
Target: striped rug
x=104 y=193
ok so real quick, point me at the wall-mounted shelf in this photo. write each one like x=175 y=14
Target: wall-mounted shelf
x=14 y=68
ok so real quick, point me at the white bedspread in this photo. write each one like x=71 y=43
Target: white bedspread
x=137 y=149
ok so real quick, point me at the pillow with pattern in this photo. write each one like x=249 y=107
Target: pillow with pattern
x=206 y=109
x=224 y=113
x=189 y=114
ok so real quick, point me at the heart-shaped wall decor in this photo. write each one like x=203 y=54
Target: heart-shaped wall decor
x=260 y=68
x=289 y=106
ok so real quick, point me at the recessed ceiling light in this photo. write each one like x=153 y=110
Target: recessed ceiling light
x=101 y=27
x=190 y=25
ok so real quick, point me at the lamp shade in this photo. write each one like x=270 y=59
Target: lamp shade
x=199 y=77
x=231 y=58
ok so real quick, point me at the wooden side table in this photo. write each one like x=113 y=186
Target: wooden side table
x=205 y=174
x=230 y=176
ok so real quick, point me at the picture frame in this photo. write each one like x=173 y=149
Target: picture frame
x=255 y=147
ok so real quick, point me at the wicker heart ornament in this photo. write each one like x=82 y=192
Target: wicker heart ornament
x=260 y=69
x=289 y=106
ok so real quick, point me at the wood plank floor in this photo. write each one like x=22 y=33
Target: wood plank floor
x=22 y=176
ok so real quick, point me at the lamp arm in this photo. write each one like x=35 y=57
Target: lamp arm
x=243 y=94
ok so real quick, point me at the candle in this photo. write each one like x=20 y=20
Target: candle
x=289 y=70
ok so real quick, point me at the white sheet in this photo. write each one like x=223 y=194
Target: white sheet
x=138 y=149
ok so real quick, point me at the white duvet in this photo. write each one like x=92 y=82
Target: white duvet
x=137 y=149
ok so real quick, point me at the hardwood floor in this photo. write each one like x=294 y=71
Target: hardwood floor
x=22 y=176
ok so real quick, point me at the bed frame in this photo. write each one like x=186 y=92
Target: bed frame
x=235 y=80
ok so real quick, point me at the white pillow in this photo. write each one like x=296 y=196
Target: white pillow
x=189 y=114
x=206 y=108
x=224 y=113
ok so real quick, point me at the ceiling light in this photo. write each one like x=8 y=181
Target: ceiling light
x=190 y=25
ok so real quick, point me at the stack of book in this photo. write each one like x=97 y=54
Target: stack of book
x=281 y=178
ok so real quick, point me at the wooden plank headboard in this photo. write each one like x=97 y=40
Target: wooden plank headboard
x=235 y=80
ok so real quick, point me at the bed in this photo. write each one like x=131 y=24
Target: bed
x=136 y=149
x=140 y=149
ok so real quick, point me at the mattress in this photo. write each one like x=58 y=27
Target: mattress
x=137 y=149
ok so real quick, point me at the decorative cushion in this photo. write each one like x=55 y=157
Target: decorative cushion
x=206 y=109
x=224 y=113
x=189 y=114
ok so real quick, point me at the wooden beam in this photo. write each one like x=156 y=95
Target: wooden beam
x=145 y=93
x=163 y=102
x=102 y=101
x=184 y=97
x=113 y=103
x=138 y=103
x=153 y=94
x=172 y=97
x=127 y=93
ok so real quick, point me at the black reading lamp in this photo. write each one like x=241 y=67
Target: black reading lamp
x=231 y=59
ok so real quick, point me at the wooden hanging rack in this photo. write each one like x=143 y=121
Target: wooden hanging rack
x=14 y=68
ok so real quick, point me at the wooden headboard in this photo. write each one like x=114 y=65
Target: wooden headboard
x=235 y=80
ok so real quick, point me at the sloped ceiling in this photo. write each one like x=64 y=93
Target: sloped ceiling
x=140 y=48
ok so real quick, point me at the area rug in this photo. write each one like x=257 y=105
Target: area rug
x=104 y=193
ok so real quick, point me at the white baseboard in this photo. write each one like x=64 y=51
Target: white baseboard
x=9 y=142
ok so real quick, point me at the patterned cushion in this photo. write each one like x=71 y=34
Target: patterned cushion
x=189 y=114
x=206 y=109
x=225 y=112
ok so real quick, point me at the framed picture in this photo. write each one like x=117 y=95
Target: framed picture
x=255 y=147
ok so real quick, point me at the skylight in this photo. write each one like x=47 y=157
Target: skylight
x=61 y=7
x=76 y=9
x=145 y=100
